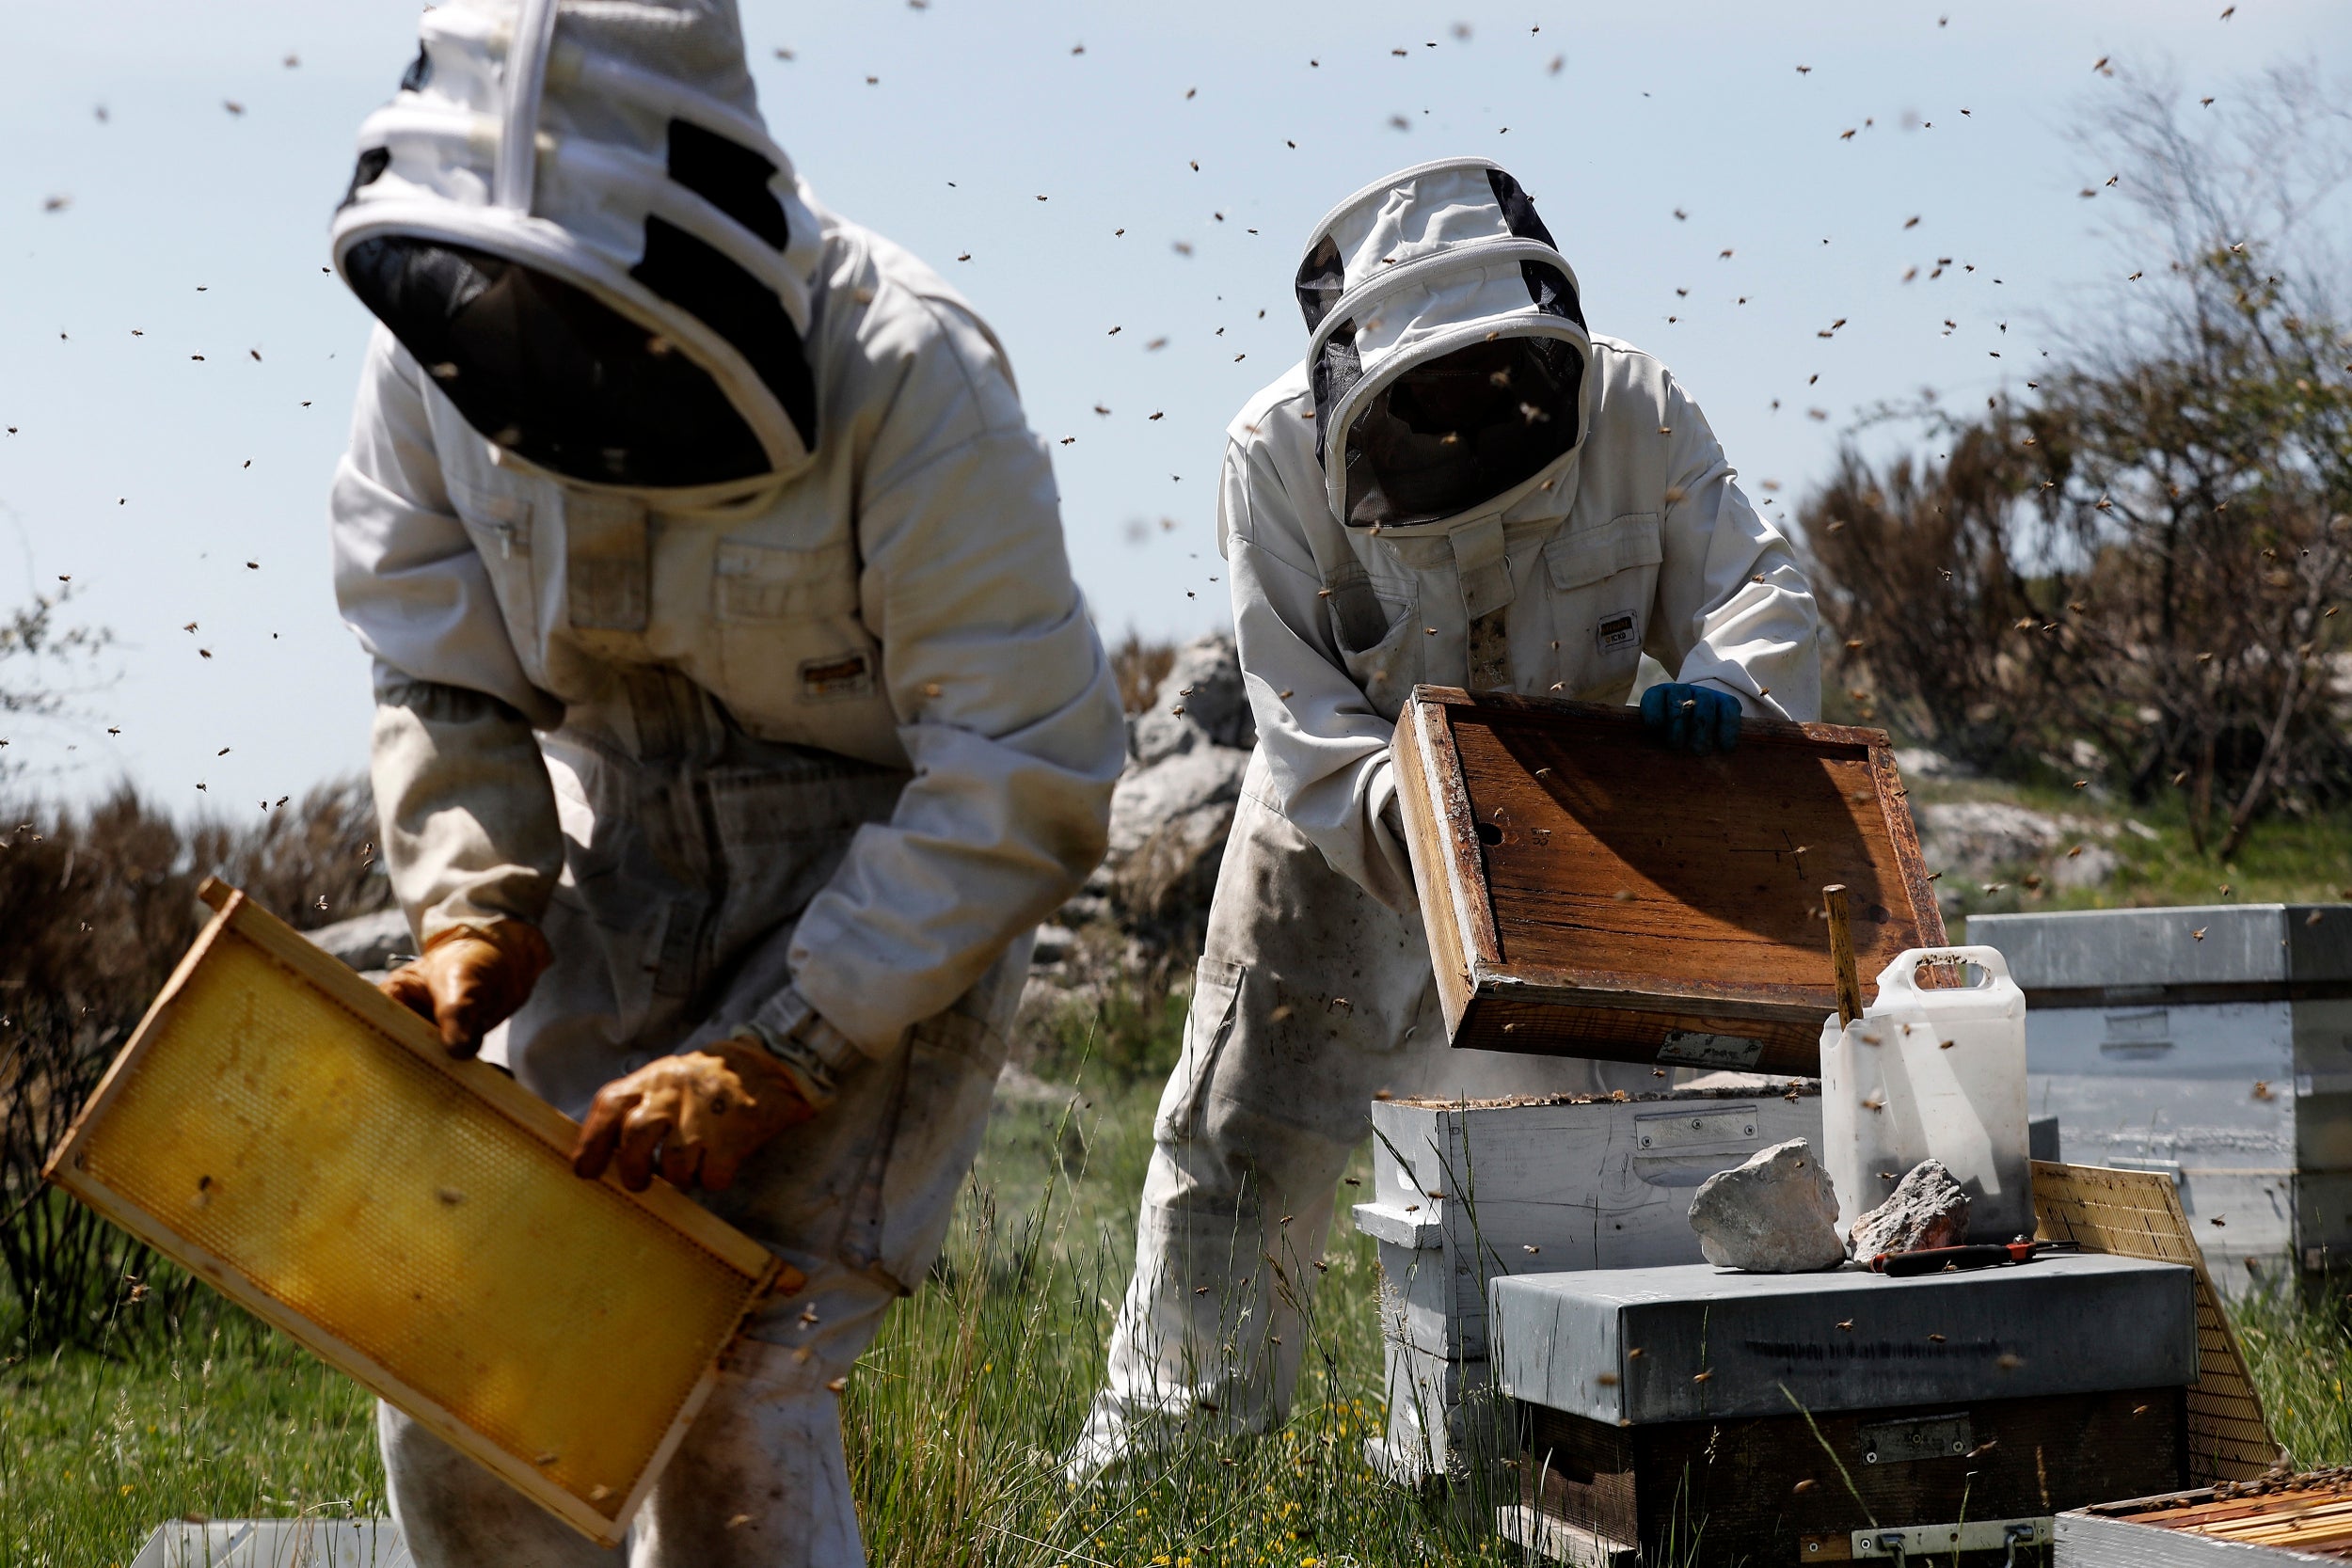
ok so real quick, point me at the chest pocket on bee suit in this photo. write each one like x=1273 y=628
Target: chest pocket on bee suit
x=1604 y=584
x=791 y=639
x=607 y=573
x=1377 y=625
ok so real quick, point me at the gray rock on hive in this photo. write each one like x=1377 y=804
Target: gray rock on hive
x=1775 y=1214
x=1927 y=1208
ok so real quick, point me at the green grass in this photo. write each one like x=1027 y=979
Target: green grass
x=226 y=1421
x=2300 y=1347
x=955 y=1418
x=960 y=1412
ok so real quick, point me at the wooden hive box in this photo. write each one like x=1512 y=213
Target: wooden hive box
x=280 y=1129
x=1589 y=894
x=1715 y=1419
x=2000 y=1397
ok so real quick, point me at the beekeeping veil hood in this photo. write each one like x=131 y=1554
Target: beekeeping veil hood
x=1448 y=353
x=572 y=214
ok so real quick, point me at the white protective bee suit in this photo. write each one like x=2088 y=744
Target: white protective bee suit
x=723 y=628
x=1597 y=522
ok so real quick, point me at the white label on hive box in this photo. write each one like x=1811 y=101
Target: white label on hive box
x=1692 y=1048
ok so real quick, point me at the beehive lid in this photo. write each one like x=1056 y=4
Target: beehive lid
x=1588 y=893
x=1718 y=1344
x=280 y=1129
x=2182 y=953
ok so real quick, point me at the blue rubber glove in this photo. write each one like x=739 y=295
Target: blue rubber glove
x=1696 y=718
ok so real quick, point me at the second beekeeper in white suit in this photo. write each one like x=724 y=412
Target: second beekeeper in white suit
x=1460 y=485
x=736 y=716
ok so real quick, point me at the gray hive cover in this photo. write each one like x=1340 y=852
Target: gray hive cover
x=2060 y=1325
x=2248 y=953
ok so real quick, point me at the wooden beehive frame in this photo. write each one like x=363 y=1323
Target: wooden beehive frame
x=2307 y=1524
x=1473 y=969
x=238 y=917
x=2136 y=1214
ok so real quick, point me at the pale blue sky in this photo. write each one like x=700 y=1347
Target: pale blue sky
x=186 y=229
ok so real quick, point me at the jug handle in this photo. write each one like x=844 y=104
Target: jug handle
x=1902 y=975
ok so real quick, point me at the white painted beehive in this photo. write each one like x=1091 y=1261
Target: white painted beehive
x=2212 y=1044
x=275 y=1544
x=1466 y=1192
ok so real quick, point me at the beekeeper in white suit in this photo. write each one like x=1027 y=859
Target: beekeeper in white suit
x=735 y=705
x=1457 y=485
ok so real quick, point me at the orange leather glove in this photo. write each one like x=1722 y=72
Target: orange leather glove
x=696 y=1117
x=471 y=978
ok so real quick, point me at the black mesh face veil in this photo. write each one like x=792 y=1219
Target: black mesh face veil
x=573 y=216
x=543 y=369
x=1461 y=430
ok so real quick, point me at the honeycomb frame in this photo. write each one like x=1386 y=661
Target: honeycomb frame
x=283 y=1131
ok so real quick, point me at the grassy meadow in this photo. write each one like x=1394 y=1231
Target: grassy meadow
x=230 y=1420
x=956 y=1416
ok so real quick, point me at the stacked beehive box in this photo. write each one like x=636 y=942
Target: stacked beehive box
x=1711 y=1419
x=1464 y=1193
x=2212 y=1044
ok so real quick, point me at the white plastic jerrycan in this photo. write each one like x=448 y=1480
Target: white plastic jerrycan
x=1934 y=1068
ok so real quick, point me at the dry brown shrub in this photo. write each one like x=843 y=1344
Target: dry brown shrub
x=2147 y=554
x=1140 y=667
x=97 y=906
